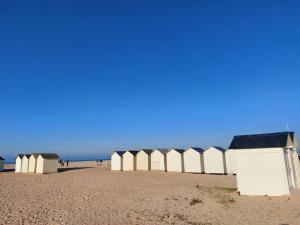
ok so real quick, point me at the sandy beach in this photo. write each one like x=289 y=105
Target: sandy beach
x=87 y=194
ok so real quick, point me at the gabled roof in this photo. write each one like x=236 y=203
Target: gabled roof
x=162 y=150
x=178 y=150
x=49 y=155
x=120 y=153
x=35 y=155
x=1 y=158
x=268 y=140
x=133 y=152
x=219 y=148
x=148 y=151
x=46 y=155
x=200 y=150
x=26 y=155
x=20 y=155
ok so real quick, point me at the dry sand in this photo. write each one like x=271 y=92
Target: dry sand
x=87 y=195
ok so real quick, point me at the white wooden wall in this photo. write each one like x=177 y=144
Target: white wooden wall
x=116 y=162
x=25 y=163
x=262 y=172
x=18 y=166
x=142 y=161
x=174 y=161
x=230 y=161
x=129 y=162
x=192 y=161
x=214 y=161
x=158 y=161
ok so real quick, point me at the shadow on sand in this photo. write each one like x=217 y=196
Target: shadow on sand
x=65 y=169
x=8 y=170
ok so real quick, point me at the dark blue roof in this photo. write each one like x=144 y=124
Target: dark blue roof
x=268 y=140
x=120 y=153
x=133 y=152
x=20 y=155
x=148 y=151
x=198 y=149
x=219 y=148
x=49 y=155
x=178 y=150
x=1 y=158
x=162 y=150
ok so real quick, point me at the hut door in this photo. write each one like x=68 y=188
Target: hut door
x=288 y=169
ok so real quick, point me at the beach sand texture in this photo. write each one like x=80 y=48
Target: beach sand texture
x=86 y=195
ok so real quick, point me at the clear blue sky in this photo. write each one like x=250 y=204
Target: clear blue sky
x=85 y=78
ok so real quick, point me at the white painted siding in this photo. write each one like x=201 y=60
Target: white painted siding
x=39 y=165
x=262 y=172
x=50 y=165
x=142 y=161
x=18 y=166
x=25 y=163
x=129 y=161
x=214 y=161
x=192 y=161
x=46 y=165
x=158 y=161
x=32 y=164
x=174 y=161
x=116 y=162
x=230 y=161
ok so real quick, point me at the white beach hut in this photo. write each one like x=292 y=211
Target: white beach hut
x=33 y=162
x=175 y=160
x=214 y=160
x=47 y=163
x=193 y=160
x=266 y=164
x=117 y=160
x=1 y=164
x=129 y=160
x=25 y=163
x=143 y=159
x=159 y=159
x=18 y=165
x=230 y=156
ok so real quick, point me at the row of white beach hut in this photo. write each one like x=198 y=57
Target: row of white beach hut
x=264 y=164
x=192 y=160
x=36 y=163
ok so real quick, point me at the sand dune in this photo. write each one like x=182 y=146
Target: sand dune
x=86 y=194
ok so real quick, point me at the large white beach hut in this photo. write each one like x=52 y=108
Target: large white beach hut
x=193 y=160
x=175 y=160
x=33 y=162
x=266 y=164
x=25 y=163
x=143 y=159
x=214 y=160
x=117 y=160
x=18 y=165
x=159 y=159
x=1 y=163
x=230 y=156
x=129 y=160
x=47 y=163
